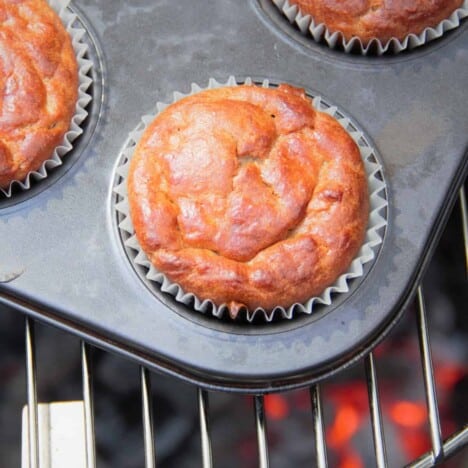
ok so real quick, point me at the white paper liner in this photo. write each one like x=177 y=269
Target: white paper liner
x=374 y=235
x=84 y=65
x=320 y=33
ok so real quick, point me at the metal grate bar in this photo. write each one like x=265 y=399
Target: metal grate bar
x=88 y=405
x=33 y=436
x=451 y=446
x=204 y=428
x=429 y=384
x=147 y=410
x=320 y=444
x=376 y=413
x=260 y=422
x=464 y=212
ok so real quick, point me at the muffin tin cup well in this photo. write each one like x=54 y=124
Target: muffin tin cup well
x=335 y=40
x=84 y=82
x=158 y=281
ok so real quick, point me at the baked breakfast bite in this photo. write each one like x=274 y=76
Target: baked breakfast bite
x=39 y=83
x=248 y=196
x=380 y=19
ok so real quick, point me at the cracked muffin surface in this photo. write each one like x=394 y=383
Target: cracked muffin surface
x=381 y=19
x=248 y=196
x=39 y=83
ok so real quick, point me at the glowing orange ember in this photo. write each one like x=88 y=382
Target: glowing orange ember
x=351 y=460
x=345 y=425
x=414 y=442
x=448 y=375
x=276 y=407
x=408 y=414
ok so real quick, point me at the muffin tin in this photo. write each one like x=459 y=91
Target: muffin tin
x=61 y=259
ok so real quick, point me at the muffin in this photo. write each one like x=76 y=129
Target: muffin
x=39 y=79
x=248 y=196
x=380 y=19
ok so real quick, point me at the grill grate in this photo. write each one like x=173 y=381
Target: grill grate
x=441 y=450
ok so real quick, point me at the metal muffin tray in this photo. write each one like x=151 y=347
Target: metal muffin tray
x=61 y=257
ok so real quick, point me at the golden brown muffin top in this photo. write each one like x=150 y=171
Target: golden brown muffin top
x=38 y=83
x=382 y=19
x=248 y=196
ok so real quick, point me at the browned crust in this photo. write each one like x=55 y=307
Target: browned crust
x=246 y=195
x=381 y=19
x=39 y=86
